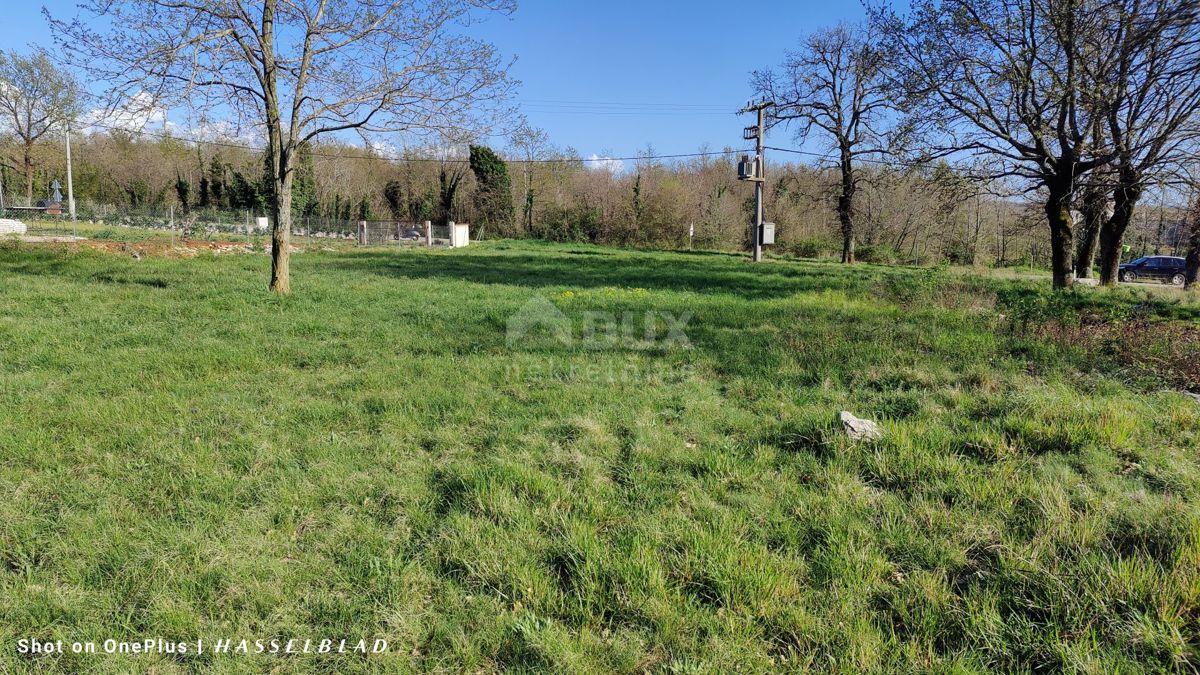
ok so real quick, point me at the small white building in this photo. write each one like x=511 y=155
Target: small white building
x=460 y=234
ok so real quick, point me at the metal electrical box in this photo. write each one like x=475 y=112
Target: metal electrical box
x=747 y=169
x=768 y=233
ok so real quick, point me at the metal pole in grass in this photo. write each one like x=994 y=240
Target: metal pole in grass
x=172 y=217
x=70 y=182
x=756 y=174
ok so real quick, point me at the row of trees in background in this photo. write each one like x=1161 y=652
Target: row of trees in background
x=1088 y=106
x=1087 y=103
x=924 y=213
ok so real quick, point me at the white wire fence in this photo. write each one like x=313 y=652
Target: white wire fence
x=227 y=224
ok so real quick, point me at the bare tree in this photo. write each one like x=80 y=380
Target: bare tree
x=294 y=69
x=531 y=144
x=1153 y=106
x=1010 y=79
x=35 y=99
x=835 y=85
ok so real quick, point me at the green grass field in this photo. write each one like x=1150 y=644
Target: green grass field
x=185 y=456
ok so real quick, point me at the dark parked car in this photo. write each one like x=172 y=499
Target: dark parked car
x=411 y=234
x=1164 y=268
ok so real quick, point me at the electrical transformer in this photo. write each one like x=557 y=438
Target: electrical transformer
x=747 y=168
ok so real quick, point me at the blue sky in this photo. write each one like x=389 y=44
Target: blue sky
x=610 y=77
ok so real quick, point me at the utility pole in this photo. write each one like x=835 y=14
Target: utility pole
x=70 y=179
x=758 y=175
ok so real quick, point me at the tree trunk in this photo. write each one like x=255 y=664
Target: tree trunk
x=27 y=160
x=281 y=231
x=1192 y=275
x=846 y=210
x=1088 y=243
x=1162 y=228
x=1095 y=199
x=1058 y=213
x=1112 y=233
x=1093 y=219
x=847 y=226
x=528 y=214
x=281 y=161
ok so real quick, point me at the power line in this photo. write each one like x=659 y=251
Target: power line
x=825 y=157
x=401 y=158
x=870 y=160
x=831 y=163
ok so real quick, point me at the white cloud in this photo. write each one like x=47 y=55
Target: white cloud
x=605 y=164
x=218 y=130
x=442 y=152
x=382 y=147
x=139 y=112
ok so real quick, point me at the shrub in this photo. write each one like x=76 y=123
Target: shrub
x=958 y=252
x=574 y=224
x=806 y=248
x=880 y=255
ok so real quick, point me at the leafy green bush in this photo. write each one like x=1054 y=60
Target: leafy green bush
x=877 y=254
x=958 y=252
x=572 y=225
x=806 y=248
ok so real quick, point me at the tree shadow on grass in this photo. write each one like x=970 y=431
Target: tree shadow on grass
x=676 y=272
x=20 y=261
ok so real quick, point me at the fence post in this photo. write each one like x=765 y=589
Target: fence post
x=429 y=234
x=362 y=233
